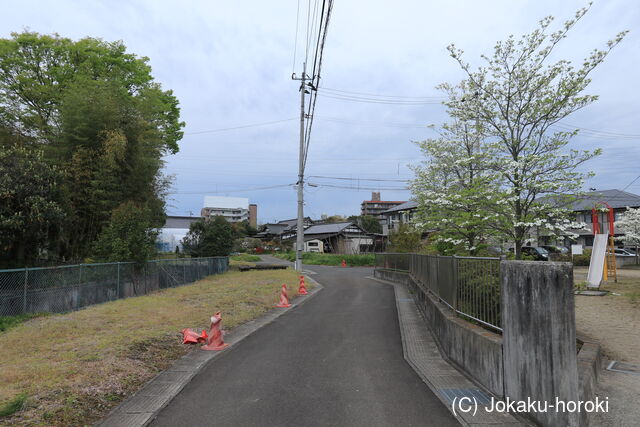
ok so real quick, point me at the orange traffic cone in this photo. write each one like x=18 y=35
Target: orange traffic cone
x=284 y=299
x=191 y=337
x=302 y=290
x=344 y=263
x=215 y=341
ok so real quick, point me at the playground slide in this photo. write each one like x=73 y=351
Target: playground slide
x=596 y=266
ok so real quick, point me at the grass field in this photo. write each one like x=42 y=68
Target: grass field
x=330 y=259
x=71 y=369
x=246 y=258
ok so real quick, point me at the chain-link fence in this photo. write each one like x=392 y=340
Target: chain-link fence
x=468 y=285
x=70 y=287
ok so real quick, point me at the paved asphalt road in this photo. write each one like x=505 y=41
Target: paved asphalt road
x=335 y=361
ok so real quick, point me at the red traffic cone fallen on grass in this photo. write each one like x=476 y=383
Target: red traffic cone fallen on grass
x=190 y=336
x=284 y=299
x=302 y=290
x=215 y=341
x=344 y=263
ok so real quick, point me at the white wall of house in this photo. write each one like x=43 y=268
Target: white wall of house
x=313 y=245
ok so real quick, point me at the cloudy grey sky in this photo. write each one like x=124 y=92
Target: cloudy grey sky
x=230 y=64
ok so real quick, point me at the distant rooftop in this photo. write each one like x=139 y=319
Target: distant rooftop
x=226 y=202
x=179 y=221
x=383 y=201
x=411 y=204
x=615 y=198
x=335 y=227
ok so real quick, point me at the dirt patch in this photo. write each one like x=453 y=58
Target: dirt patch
x=612 y=320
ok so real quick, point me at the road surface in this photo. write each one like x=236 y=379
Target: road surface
x=336 y=360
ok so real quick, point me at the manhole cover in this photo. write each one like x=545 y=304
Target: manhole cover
x=626 y=368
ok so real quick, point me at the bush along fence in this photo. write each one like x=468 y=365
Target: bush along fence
x=468 y=285
x=70 y=287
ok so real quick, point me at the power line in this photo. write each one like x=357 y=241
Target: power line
x=369 y=100
x=231 y=191
x=360 y=188
x=376 y=95
x=358 y=179
x=380 y=124
x=603 y=132
x=315 y=77
x=295 y=41
x=239 y=127
x=629 y=184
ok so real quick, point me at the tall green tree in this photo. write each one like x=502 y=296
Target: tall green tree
x=30 y=216
x=454 y=187
x=99 y=117
x=368 y=223
x=209 y=237
x=518 y=96
x=406 y=239
x=130 y=235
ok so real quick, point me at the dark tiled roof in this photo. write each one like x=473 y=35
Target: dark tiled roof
x=336 y=227
x=403 y=207
x=294 y=222
x=275 y=228
x=382 y=201
x=615 y=198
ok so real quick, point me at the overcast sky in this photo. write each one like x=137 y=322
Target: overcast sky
x=230 y=64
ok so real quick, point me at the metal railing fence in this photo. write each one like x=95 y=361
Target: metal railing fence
x=468 y=285
x=70 y=287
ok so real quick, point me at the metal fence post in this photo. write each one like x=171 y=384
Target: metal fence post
x=118 y=282
x=184 y=272
x=454 y=277
x=24 y=299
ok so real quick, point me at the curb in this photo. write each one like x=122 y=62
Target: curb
x=144 y=405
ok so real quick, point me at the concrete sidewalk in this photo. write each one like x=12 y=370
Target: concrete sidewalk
x=338 y=360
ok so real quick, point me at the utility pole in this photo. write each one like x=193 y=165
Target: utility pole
x=300 y=227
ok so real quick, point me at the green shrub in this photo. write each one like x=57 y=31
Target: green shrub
x=314 y=258
x=7 y=322
x=129 y=236
x=584 y=259
x=209 y=237
x=246 y=258
x=13 y=406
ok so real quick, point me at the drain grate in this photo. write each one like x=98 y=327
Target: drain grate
x=626 y=368
x=451 y=393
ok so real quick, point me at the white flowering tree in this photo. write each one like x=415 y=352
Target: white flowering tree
x=518 y=96
x=453 y=187
x=629 y=224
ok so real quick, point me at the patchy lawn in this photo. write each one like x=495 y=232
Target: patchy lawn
x=612 y=320
x=246 y=258
x=73 y=368
x=313 y=258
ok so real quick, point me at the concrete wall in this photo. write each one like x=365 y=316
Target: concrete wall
x=539 y=338
x=473 y=349
x=589 y=363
